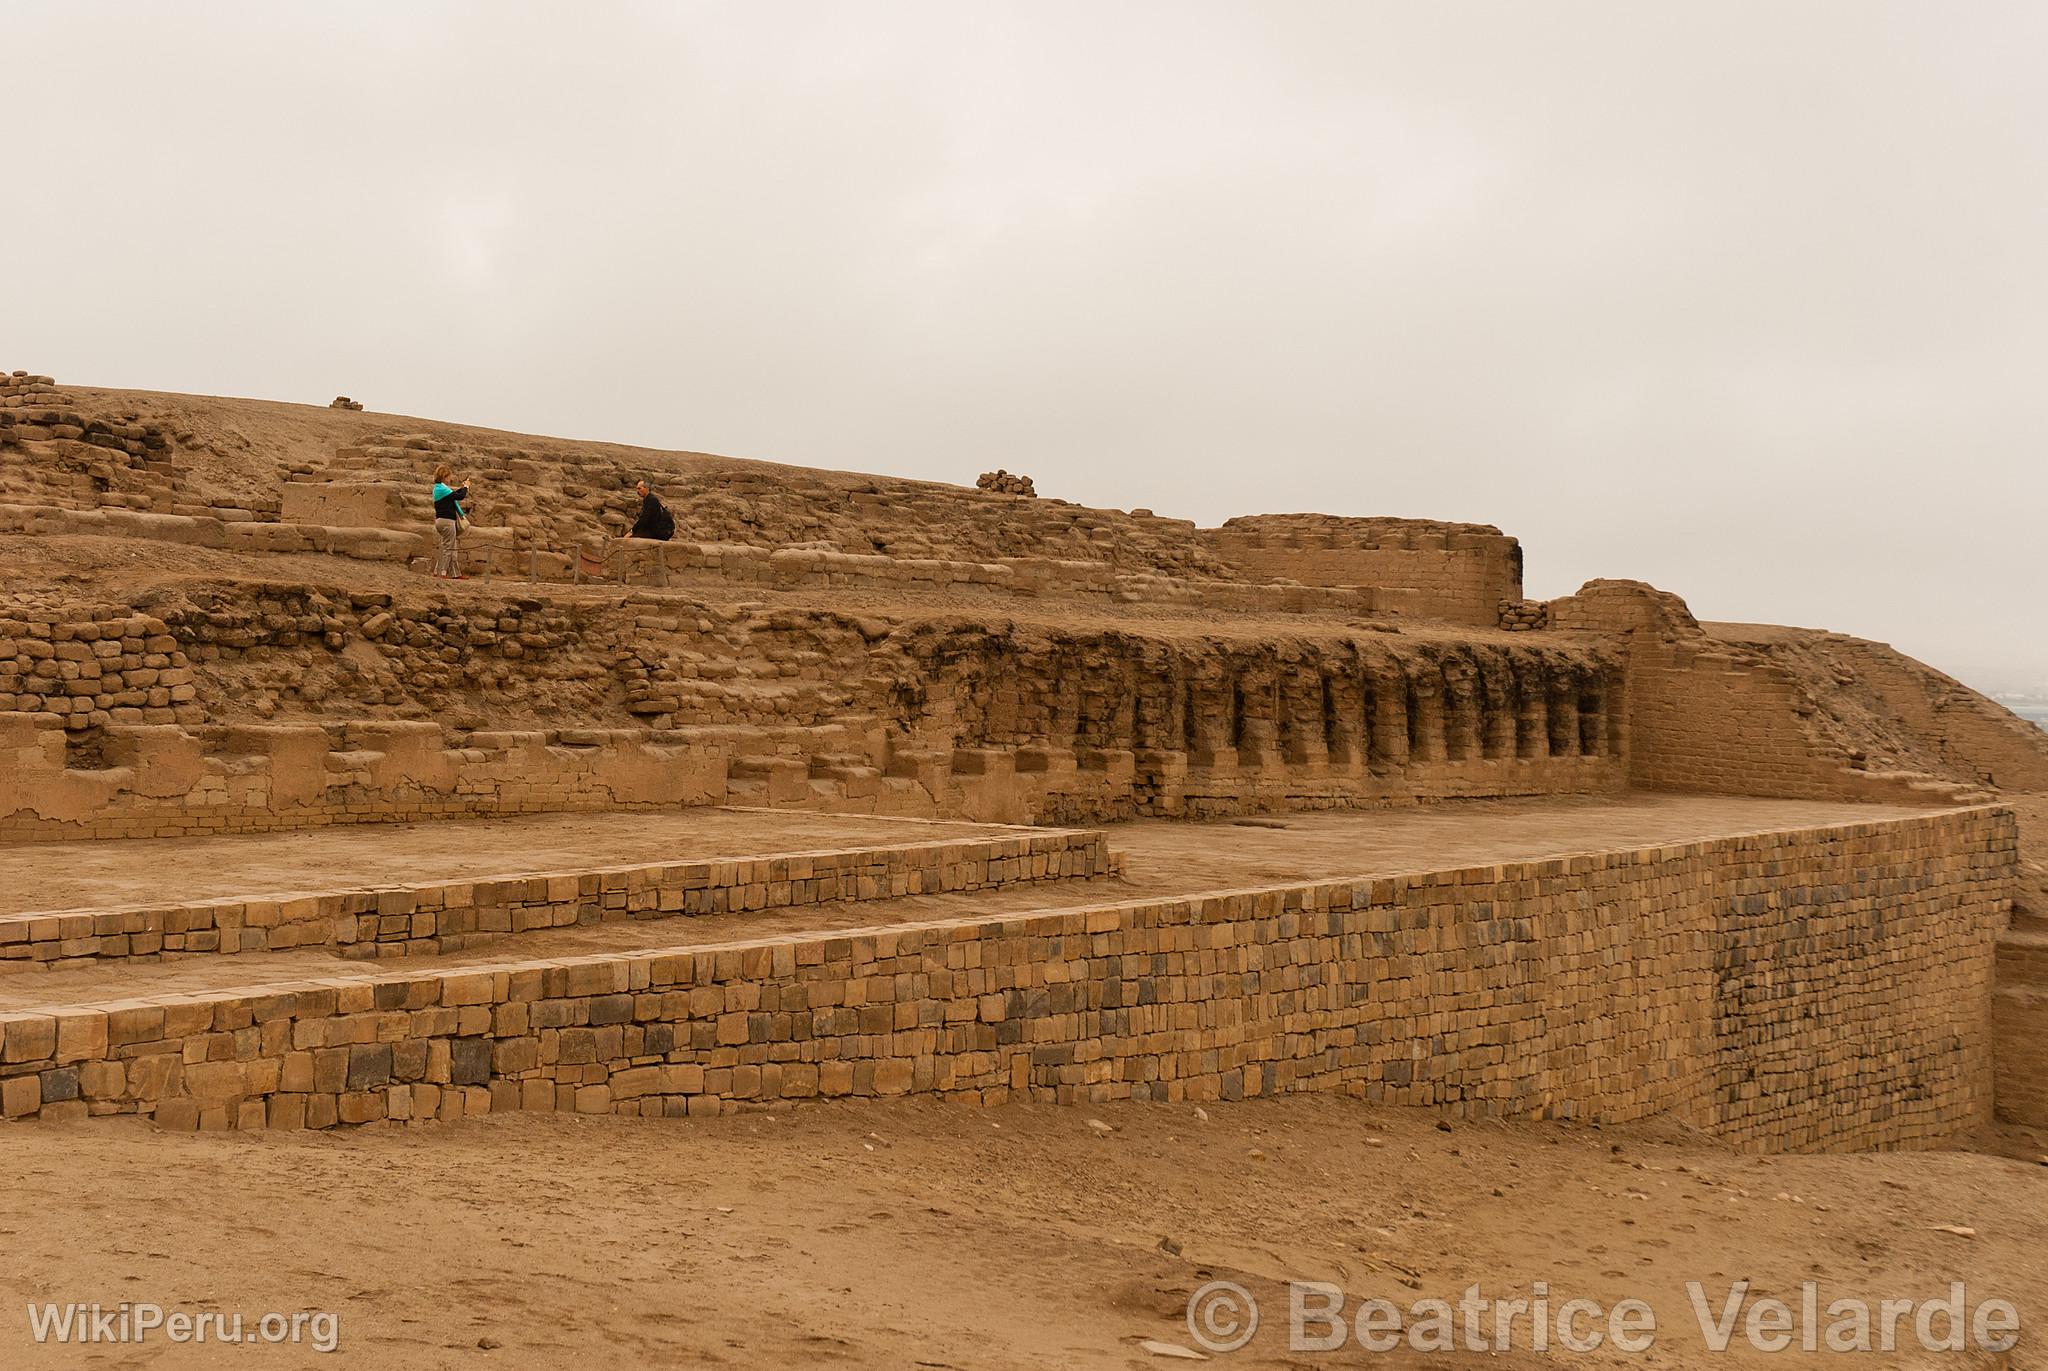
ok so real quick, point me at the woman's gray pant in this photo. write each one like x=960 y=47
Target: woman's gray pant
x=445 y=563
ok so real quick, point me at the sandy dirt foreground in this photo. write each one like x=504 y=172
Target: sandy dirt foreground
x=917 y=1234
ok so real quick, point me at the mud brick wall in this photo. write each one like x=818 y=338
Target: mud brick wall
x=447 y=916
x=1588 y=986
x=165 y=782
x=368 y=523
x=1715 y=715
x=2020 y=1024
x=943 y=716
x=641 y=563
x=1706 y=720
x=1853 y=973
x=115 y=667
x=1458 y=572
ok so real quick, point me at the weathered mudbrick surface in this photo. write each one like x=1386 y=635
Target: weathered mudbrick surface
x=2020 y=1024
x=445 y=916
x=951 y=717
x=167 y=782
x=1819 y=988
x=1455 y=572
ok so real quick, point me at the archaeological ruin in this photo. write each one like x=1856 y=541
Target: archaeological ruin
x=865 y=786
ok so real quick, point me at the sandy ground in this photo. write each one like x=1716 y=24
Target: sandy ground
x=914 y=1234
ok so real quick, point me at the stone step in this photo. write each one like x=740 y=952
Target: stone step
x=1412 y=987
x=446 y=916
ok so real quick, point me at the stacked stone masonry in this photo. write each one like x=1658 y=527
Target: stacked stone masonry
x=115 y=668
x=1810 y=989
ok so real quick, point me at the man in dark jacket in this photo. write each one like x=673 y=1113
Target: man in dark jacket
x=655 y=521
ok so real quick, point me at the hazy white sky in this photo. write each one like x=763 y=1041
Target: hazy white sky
x=1744 y=299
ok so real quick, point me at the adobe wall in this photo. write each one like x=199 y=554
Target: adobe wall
x=687 y=703
x=342 y=504
x=165 y=782
x=366 y=523
x=99 y=667
x=2020 y=1025
x=1815 y=989
x=160 y=782
x=1716 y=715
x=1705 y=721
x=1456 y=572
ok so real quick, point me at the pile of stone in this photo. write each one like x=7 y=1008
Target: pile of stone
x=25 y=425
x=343 y=402
x=19 y=388
x=1004 y=483
x=1524 y=615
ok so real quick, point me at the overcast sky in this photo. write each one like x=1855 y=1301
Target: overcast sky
x=1747 y=300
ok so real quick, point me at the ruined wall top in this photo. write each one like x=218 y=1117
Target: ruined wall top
x=1338 y=530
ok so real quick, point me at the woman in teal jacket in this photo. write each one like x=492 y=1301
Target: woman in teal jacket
x=449 y=518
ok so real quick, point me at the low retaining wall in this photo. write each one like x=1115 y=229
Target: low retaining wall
x=168 y=782
x=163 y=782
x=446 y=916
x=1821 y=988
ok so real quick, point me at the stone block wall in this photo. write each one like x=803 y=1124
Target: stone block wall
x=448 y=916
x=1457 y=572
x=1853 y=971
x=115 y=667
x=1593 y=986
